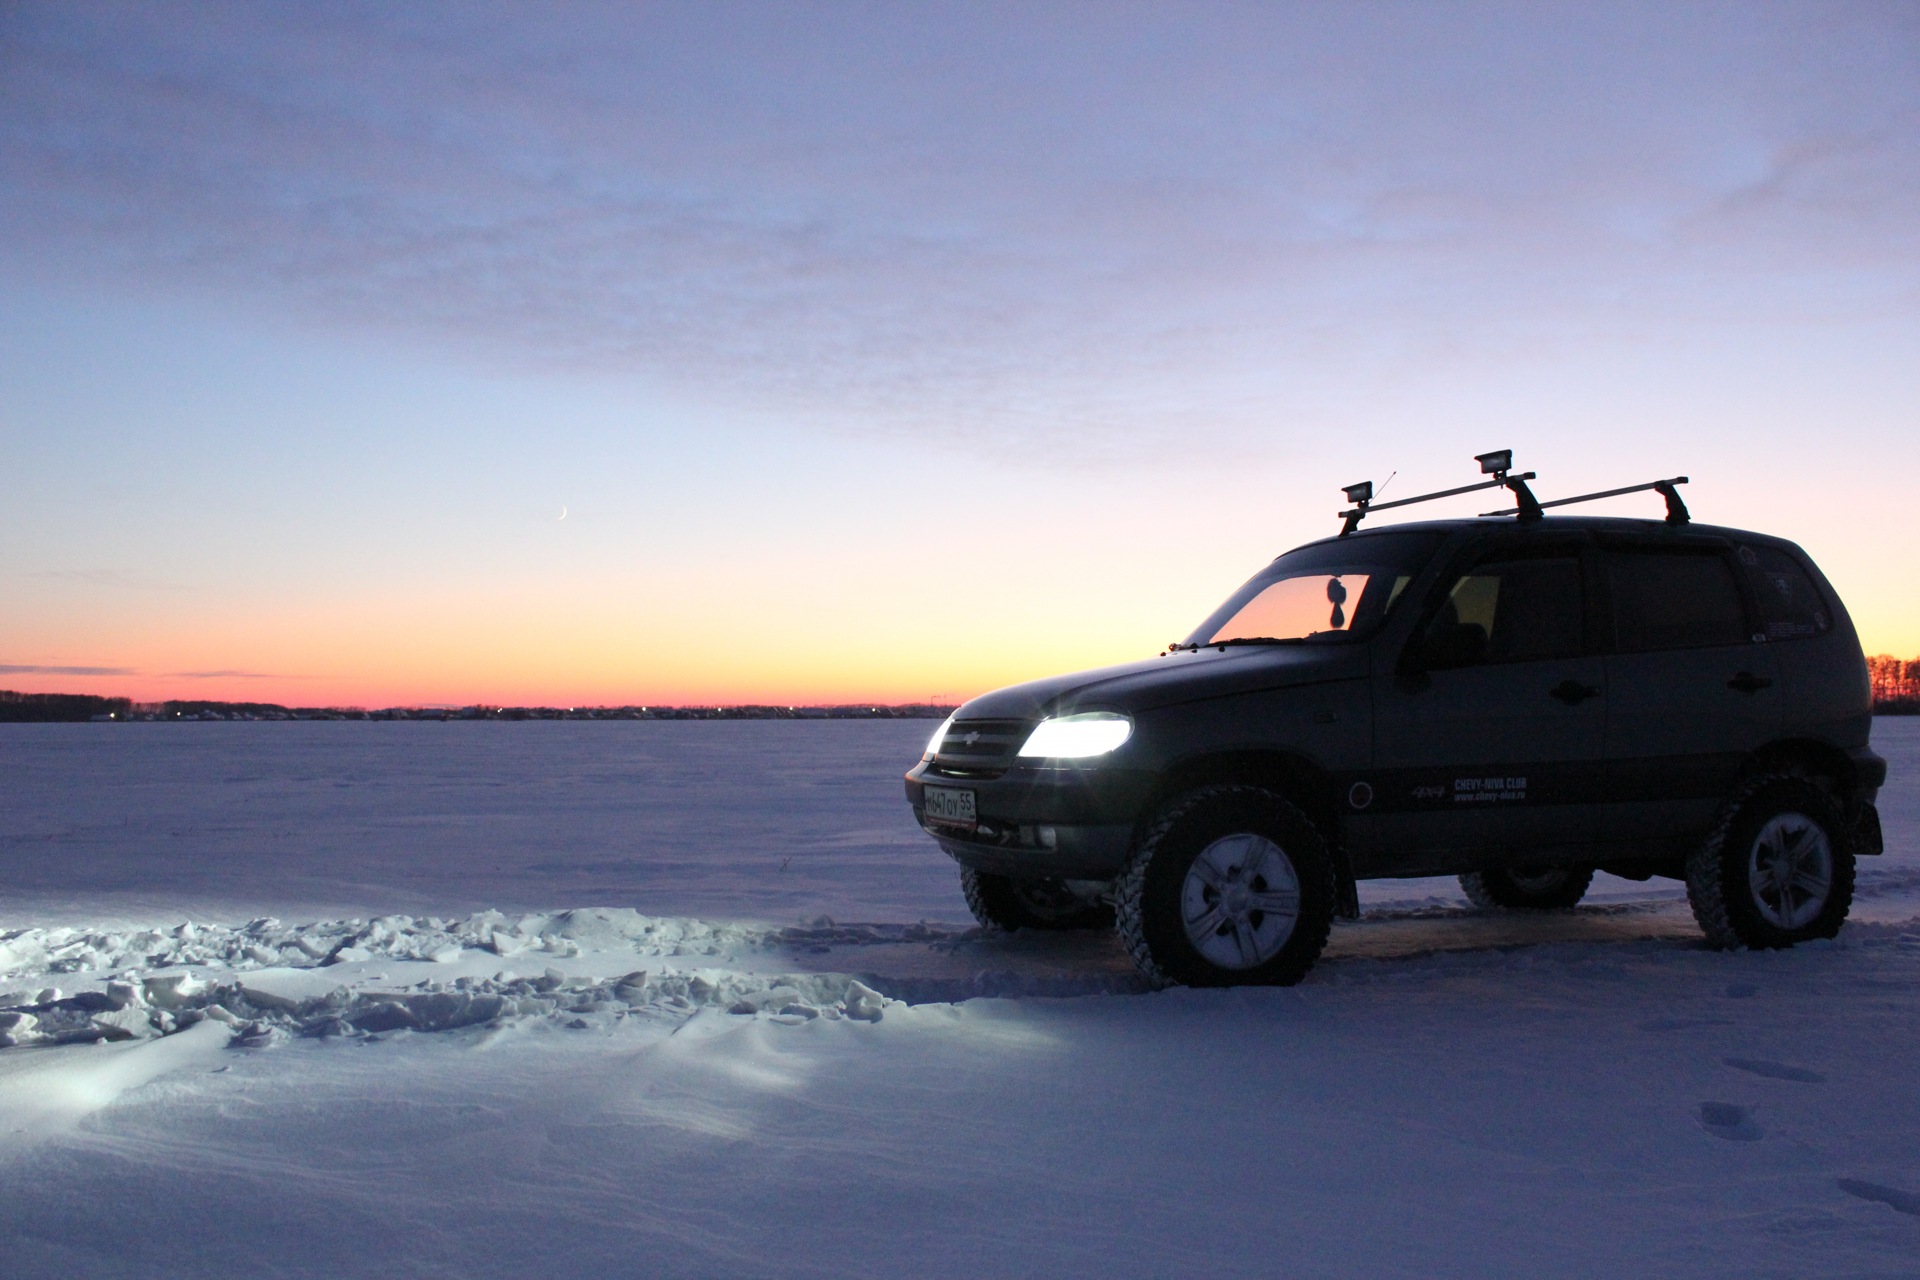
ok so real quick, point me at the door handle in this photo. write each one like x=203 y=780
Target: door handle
x=1747 y=682
x=1573 y=693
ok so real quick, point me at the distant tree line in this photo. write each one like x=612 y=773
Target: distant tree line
x=1896 y=685
x=17 y=707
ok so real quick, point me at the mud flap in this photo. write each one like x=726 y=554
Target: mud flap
x=1867 y=839
x=1346 y=901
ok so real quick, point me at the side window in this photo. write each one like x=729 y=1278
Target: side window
x=1674 y=600
x=1523 y=610
x=1790 y=605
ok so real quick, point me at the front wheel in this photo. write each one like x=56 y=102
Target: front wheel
x=1229 y=885
x=1002 y=902
x=1527 y=888
x=1777 y=869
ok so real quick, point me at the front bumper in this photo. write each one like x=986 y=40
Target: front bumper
x=1037 y=822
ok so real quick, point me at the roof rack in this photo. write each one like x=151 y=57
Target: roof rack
x=1496 y=464
x=1499 y=465
x=1677 y=512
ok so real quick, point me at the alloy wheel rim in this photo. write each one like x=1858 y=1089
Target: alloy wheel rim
x=1240 y=901
x=1790 y=870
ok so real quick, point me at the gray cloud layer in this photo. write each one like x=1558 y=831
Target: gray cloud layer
x=33 y=669
x=1023 y=217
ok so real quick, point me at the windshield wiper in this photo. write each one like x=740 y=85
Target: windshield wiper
x=1238 y=640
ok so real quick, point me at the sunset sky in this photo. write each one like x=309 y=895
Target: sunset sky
x=362 y=354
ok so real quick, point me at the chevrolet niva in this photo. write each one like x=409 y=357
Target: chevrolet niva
x=1518 y=700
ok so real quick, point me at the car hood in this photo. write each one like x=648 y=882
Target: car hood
x=1173 y=678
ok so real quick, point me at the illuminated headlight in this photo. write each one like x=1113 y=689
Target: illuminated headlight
x=933 y=743
x=1091 y=733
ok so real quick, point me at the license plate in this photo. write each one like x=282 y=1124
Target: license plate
x=954 y=808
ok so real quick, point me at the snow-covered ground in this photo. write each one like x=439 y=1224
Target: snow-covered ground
x=698 y=1000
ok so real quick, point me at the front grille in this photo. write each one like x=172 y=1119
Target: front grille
x=979 y=748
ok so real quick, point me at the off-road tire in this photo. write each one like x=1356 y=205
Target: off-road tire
x=1001 y=902
x=1147 y=893
x=1517 y=889
x=1718 y=885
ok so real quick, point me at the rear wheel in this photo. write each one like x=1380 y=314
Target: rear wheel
x=1230 y=885
x=1527 y=888
x=1777 y=868
x=1002 y=902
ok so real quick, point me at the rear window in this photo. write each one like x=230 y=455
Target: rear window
x=1790 y=605
x=1673 y=600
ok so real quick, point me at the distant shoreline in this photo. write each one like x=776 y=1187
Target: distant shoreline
x=70 y=708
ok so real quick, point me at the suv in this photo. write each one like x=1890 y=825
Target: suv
x=1519 y=700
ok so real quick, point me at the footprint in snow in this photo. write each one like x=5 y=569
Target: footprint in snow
x=1730 y=1121
x=1775 y=1070
x=1683 y=1024
x=1894 y=1198
x=1741 y=990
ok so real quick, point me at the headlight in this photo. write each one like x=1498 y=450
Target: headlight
x=933 y=743
x=1076 y=737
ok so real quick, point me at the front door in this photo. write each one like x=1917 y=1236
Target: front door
x=1488 y=736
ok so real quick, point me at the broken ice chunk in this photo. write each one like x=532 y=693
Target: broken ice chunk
x=170 y=990
x=863 y=1003
x=260 y=998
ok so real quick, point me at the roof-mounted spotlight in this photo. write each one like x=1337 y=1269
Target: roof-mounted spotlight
x=1359 y=495
x=1497 y=463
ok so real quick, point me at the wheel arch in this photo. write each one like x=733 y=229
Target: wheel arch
x=1298 y=779
x=1826 y=765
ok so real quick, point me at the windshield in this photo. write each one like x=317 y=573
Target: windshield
x=1329 y=589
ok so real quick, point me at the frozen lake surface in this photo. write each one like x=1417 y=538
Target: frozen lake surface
x=497 y=999
x=765 y=820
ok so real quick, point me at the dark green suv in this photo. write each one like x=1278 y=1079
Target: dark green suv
x=1519 y=700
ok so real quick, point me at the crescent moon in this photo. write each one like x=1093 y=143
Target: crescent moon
x=562 y=515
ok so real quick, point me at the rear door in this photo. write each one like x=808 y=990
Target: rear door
x=1488 y=737
x=1693 y=687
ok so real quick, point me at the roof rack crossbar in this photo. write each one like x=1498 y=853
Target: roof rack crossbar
x=1676 y=509
x=1363 y=508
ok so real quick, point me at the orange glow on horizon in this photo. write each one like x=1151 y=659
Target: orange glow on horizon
x=401 y=661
